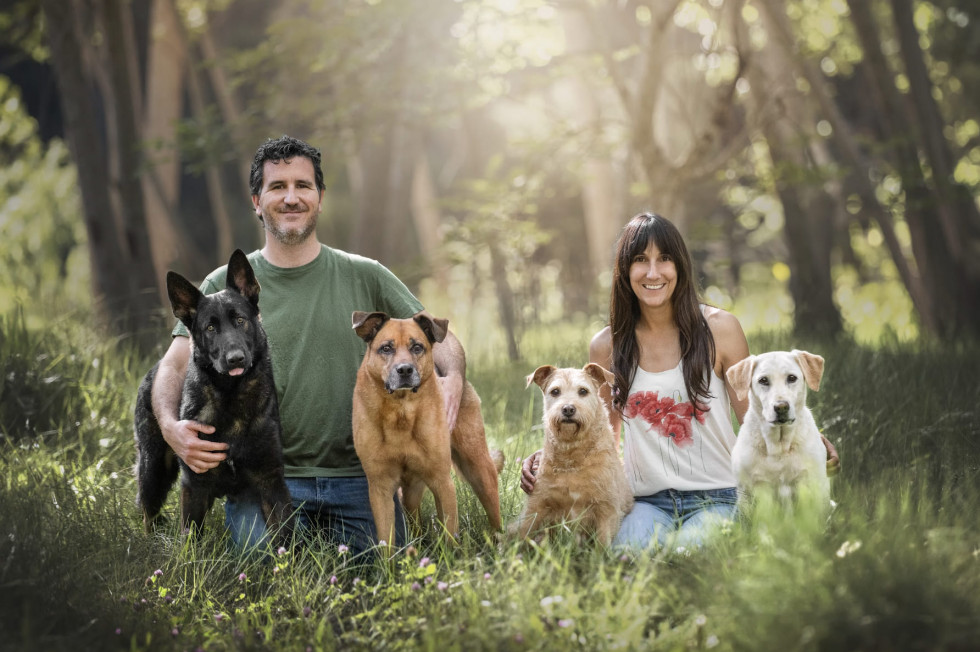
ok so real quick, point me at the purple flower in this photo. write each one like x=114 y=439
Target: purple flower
x=174 y=631
x=566 y=622
x=218 y=617
x=118 y=631
x=416 y=586
x=306 y=612
x=241 y=577
x=442 y=586
x=423 y=562
x=486 y=576
x=342 y=549
x=428 y=579
x=333 y=580
x=157 y=573
x=281 y=551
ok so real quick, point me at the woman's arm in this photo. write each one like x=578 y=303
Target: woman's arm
x=730 y=347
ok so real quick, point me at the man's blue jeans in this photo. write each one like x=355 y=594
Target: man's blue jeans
x=336 y=508
x=679 y=519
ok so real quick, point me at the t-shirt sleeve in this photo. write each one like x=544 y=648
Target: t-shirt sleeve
x=208 y=286
x=394 y=297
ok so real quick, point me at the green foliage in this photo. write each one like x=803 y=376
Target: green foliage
x=893 y=567
x=40 y=222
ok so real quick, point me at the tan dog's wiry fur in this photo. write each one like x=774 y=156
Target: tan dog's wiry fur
x=778 y=444
x=580 y=480
x=400 y=430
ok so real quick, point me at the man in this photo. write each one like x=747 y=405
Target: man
x=308 y=292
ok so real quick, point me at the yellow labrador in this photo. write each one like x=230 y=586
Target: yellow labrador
x=778 y=444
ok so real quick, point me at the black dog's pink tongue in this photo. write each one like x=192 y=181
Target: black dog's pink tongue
x=236 y=372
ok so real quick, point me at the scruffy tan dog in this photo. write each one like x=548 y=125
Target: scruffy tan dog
x=400 y=430
x=580 y=480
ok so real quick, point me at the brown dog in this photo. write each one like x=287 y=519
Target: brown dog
x=400 y=430
x=581 y=479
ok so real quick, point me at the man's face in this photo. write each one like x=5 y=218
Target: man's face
x=289 y=201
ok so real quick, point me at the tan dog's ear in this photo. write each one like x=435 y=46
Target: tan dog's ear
x=600 y=374
x=739 y=376
x=540 y=376
x=367 y=324
x=812 y=366
x=434 y=328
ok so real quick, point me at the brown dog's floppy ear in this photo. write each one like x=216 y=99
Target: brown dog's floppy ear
x=241 y=277
x=600 y=374
x=739 y=376
x=812 y=366
x=540 y=376
x=434 y=328
x=184 y=297
x=367 y=324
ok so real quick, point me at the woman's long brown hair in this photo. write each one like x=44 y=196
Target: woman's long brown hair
x=697 y=343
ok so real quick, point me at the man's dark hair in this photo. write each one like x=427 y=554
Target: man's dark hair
x=283 y=148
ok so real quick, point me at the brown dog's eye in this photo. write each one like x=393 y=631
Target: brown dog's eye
x=791 y=378
x=386 y=349
x=417 y=349
x=582 y=391
x=764 y=381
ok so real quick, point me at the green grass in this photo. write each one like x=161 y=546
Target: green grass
x=895 y=567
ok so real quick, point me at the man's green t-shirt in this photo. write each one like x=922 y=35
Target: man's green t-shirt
x=306 y=313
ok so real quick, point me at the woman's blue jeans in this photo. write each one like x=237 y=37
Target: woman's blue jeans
x=676 y=519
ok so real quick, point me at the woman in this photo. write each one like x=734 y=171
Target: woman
x=669 y=353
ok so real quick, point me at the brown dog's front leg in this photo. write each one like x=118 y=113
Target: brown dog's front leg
x=444 y=492
x=380 y=493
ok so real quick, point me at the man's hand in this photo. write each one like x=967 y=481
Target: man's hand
x=200 y=455
x=833 y=460
x=452 y=392
x=529 y=471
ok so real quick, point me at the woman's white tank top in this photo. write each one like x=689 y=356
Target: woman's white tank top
x=669 y=445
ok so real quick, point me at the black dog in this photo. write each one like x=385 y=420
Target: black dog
x=229 y=385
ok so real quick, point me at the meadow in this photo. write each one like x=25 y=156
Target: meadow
x=896 y=566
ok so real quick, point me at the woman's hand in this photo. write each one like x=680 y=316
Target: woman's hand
x=529 y=471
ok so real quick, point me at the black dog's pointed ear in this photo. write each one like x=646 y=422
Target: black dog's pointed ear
x=241 y=278
x=184 y=297
x=367 y=324
x=434 y=328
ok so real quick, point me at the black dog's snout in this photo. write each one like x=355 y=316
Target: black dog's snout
x=235 y=358
x=568 y=411
x=404 y=370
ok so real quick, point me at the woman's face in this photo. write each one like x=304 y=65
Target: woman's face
x=653 y=277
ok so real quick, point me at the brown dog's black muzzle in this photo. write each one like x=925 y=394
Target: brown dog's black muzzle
x=403 y=376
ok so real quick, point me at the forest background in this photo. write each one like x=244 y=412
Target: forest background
x=822 y=157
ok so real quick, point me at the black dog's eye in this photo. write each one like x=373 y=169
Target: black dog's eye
x=240 y=320
x=791 y=378
x=582 y=391
x=764 y=381
x=555 y=391
x=211 y=327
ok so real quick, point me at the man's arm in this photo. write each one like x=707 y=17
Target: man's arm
x=182 y=435
x=450 y=361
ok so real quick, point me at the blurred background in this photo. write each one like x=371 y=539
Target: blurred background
x=822 y=157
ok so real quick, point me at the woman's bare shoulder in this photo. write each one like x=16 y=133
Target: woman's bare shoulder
x=600 y=348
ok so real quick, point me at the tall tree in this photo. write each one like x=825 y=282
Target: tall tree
x=89 y=71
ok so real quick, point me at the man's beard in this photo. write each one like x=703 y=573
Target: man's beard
x=291 y=236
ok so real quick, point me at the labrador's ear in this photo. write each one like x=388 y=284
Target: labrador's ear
x=812 y=366
x=739 y=376
x=540 y=376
